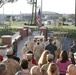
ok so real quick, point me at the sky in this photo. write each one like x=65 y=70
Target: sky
x=59 y=6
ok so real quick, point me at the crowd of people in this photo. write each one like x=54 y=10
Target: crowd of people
x=40 y=57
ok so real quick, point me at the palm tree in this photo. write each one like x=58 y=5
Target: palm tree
x=34 y=8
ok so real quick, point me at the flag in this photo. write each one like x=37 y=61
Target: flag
x=38 y=19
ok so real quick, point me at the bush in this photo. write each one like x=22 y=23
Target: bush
x=71 y=32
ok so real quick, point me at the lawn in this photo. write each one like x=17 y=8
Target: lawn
x=15 y=25
x=21 y=24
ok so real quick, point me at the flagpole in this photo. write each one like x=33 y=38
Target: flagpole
x=41 y=12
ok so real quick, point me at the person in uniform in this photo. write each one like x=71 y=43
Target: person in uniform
x=33 y=59
x=25 y=50
x=42 y=45
x=45 y=42
x=29 y=59
x=59 y=47
x=37 y=51
x=29 y=44
x=15 y=47
x=44 y=68
x=12 y=65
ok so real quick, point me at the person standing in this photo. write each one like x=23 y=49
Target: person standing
x=1 y=58
x=15 y=47
x=25 y=50
x=45 y=66
x=71 y=70
x=29 y=44
x=72 y=51
x=37 y=51
x=3 y=69
x=12 y=65
x=63 y=62
x=29 y=59
x=35 y=70
x=42 y=45
x=51 y=47
x=24 y=66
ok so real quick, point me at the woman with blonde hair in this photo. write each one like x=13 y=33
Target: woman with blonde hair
x=42 y=59
x=52 y=69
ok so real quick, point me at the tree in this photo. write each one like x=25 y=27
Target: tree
x=34 y=9
x=2 y=2
x=63 y=19
x=13 y=18
x=72 y=16
x=8 y=17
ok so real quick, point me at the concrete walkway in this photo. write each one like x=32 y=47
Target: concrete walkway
x=66 y=42
x=21 y=43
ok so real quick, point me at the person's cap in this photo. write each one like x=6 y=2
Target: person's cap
x=75 y=55
x=50 y=39
x=29 y=55
x=50 y=56
x=9 y=52
x=29 y=52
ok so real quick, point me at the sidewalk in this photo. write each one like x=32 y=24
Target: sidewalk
x=35 y=33
x=21 y=43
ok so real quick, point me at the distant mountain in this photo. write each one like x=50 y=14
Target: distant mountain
x=48 y=12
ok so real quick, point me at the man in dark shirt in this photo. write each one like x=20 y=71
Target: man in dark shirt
x=72 y=51
x=51 y=47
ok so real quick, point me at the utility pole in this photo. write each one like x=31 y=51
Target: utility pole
x=35 y=11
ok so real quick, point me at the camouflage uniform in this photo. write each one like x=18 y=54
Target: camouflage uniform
x=12 y=66
x=37 y=49
x=25 y=49
x=30 y=45
x=42 y=47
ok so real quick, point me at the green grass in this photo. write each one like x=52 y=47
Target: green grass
x=15 y=25
x=21 y=24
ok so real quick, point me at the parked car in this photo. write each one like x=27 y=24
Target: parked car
x=68 y=22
